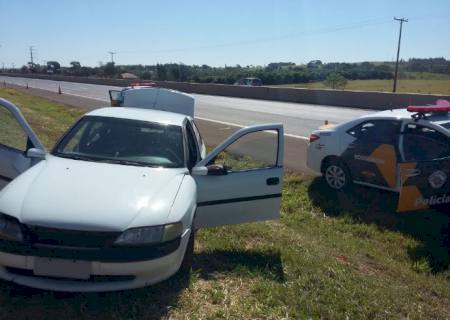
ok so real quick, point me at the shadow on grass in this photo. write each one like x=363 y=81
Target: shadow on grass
x=247 y=262
x=154 y=302
x=369 y=205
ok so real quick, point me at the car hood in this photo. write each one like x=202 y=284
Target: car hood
x=82 y=195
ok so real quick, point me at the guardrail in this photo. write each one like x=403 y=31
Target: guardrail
x=355 y=99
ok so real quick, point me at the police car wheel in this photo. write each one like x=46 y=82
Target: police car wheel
x=336 y=175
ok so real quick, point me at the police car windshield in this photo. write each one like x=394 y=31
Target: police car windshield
x=123 y=141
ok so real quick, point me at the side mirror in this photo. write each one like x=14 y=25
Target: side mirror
x=35 y=153
x=210 y=170
x=115 y=96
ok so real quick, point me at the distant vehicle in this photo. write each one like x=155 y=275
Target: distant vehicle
x=402 y=150
x=248 y=82
x=116 y=203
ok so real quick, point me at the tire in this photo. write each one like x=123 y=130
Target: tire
x=186 y=264
x=337 y=175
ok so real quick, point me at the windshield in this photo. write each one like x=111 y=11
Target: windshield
x=123 y=141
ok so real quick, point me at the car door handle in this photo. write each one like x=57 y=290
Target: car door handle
x=273 y=181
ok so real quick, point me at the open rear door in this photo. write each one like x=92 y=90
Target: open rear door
x=424 y=185
x=154 y=98
x=16 y=138
x=242 y=179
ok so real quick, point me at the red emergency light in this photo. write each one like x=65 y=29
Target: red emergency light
x=441 y=106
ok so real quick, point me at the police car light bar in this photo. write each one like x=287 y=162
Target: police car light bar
x=441 y=106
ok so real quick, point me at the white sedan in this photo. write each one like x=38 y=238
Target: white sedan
x=116 y=203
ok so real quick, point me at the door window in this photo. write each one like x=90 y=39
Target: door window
x=12 y=134
x=381 y=131
x=421 y=143
x=255 y=150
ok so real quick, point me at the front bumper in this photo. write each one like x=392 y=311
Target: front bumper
x=114 y=275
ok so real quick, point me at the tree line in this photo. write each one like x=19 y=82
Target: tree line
x=273 y=73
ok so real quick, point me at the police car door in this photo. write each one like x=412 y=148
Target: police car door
x=16 y=140
x=425 y=171
x=373 y=154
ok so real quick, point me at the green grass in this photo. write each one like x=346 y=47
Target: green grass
x=331 y=256
x=424 y=86
x=48 y=119
x=11 y=133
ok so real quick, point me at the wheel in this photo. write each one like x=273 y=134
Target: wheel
x=337 y=175
x=186 y=264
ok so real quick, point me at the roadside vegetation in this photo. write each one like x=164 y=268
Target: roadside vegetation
x=431 y=84
x=48 y=119
x=276 y=73
x=331 y=256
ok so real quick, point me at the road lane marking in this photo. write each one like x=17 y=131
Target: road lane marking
x=68 y=92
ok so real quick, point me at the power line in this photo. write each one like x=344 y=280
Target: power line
x=324 y=30
x=401 y=20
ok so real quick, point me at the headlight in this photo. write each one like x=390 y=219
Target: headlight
x=149 y=235
x=10 y=228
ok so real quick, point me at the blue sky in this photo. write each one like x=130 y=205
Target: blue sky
x=250 y=32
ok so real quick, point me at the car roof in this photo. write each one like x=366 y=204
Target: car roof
x=441 y=119
x=149 y=115
x=390 y=114
x=401 y=114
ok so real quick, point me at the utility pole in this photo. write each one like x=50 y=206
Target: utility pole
x=401 y=20
x=31 y=55
x=112 y=53
x=3 y=64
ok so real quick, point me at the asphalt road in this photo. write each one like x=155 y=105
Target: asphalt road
x=298 y=119
x=217 y=117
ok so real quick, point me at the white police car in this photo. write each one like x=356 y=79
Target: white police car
x=116 y=202
x=401 y=150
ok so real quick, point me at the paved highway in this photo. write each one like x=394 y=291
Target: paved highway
x=298 y=119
